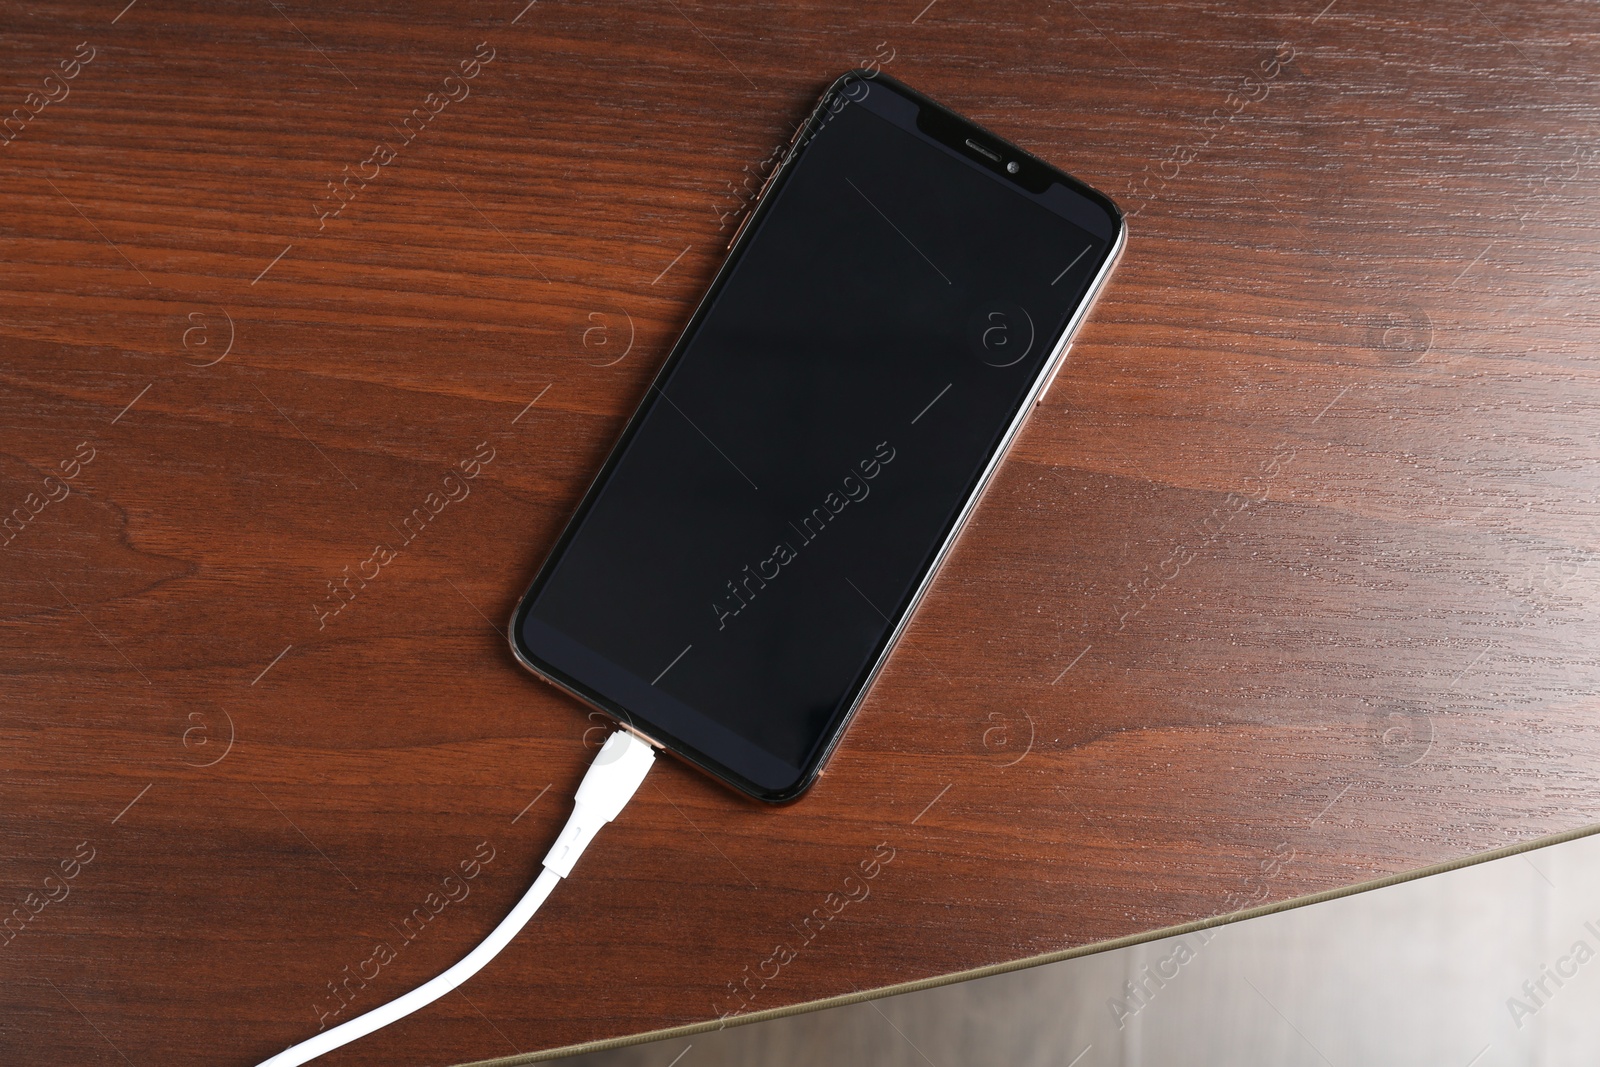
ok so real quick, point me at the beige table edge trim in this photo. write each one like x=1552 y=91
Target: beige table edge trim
x=1036 y=961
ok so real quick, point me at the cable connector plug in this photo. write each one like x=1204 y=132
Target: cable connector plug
x=612 y=779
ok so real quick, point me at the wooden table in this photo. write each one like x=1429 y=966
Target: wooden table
x=1290 y=583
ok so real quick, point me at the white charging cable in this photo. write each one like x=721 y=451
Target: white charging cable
x=610 y=783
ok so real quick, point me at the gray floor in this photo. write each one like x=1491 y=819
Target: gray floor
x=1427 y=972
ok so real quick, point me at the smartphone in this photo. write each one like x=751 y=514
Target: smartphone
x=895 y=302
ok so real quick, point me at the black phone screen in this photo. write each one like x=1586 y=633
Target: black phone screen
x=733 y=577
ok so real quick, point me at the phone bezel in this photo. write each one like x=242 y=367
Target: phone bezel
x=946 y=124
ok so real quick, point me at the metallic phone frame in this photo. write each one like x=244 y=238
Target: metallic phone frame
x=814 y=123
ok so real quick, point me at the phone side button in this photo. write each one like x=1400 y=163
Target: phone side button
x=740 y=231
x=1054 y=375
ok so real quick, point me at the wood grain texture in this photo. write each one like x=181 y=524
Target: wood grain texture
x=1297 y=556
